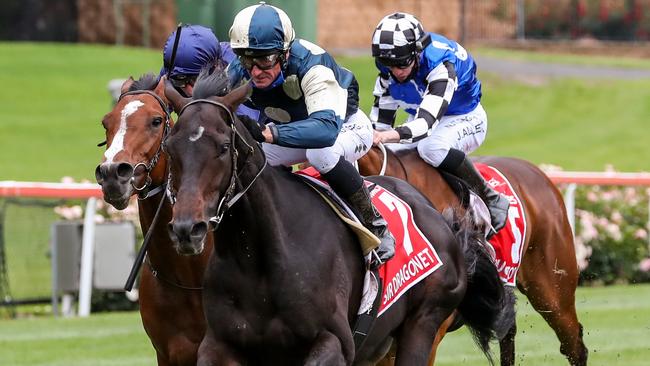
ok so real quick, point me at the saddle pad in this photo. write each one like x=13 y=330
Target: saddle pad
x=506 y=246
x=415 y=257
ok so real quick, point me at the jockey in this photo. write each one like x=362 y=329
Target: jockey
x=198 y=47
x=434 y=80
x=311 y=106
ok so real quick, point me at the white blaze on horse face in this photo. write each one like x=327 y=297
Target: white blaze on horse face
x=197 y=135
x=118 y=140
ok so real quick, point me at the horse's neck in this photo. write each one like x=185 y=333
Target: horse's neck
x=408 y=165
x=161 y=254
x=251 y=228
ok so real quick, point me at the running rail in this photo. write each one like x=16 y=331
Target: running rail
x=90 y=191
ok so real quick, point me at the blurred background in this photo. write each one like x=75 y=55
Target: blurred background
x=566 y=85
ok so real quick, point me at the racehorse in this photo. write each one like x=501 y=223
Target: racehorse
x=170 y=284
x=548 y=273
x=284 y=281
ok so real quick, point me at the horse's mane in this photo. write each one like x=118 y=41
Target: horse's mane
x=210 y=84
x=147 y=81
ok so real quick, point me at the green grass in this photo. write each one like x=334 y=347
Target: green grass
x=564 y=58
x=616 y=321
x=54 y=98
x=108 y=339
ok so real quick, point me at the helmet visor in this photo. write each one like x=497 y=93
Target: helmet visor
x=400 y=62
x=266 y=62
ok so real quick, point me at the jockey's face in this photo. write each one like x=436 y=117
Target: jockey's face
x=184 y=83
x=401 y=73
x=263 y=70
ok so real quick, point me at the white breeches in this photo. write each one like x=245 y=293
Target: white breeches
x=353 y=142
x=465 y=132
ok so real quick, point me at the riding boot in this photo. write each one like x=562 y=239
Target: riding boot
x=497 y=203
x=374 y=222
x=346 y=181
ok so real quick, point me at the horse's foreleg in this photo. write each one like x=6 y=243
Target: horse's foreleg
x=415 y=341
x=507 y=346
x=442 y=330
x=326 y=351
x=213 y=353
x=551 y=291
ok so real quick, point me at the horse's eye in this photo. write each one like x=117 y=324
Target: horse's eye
x=224 y=148
x=156 y=121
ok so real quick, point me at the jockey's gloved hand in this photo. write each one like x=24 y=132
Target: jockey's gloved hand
x=253 y=127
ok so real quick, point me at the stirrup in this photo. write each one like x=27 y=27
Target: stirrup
x=374 y=261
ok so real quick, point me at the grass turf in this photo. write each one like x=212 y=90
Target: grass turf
x=616 y=320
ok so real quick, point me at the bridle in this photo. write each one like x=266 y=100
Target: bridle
x=143 y=192
x=229 y=198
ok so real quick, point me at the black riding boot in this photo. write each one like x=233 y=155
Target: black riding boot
x=347 y=182
x=375 y=223
x=496 y=202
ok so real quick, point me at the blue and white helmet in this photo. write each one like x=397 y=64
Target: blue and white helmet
x=261 y=29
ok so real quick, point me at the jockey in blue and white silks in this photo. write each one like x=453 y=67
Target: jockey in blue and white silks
x=434 y=80
x=310 y=106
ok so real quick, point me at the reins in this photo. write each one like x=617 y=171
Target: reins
x=143 y=192
x=230 y=197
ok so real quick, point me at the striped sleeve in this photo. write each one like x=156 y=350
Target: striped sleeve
x=384 y=108
x=442 y=83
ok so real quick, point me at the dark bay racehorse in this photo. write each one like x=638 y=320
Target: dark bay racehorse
x=170 y=284
x=284 y=281
x=548 y=273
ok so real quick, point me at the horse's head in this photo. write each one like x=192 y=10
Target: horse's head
x=135 y=129
x=203 y=152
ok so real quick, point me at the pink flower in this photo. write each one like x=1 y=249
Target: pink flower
x=644 y=265
x=640 y=234
x=592 y=196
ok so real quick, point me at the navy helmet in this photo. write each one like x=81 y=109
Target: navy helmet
x=260 y=30
x=197 y=48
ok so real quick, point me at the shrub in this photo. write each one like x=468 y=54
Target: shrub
x=611 y=223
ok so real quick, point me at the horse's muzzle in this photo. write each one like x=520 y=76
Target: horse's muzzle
x=188 y=236
x=115 y=179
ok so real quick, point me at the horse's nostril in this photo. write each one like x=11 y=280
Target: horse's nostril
x=170 y=230
x=99 y=177
x=199 y=230
x=124 y=171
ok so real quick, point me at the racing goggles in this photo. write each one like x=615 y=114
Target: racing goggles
x=182 y=80
x=266 y=62
x=400 y=63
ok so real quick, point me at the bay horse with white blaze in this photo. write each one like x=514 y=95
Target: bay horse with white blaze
x=170 y=284
x=284 y=281
x=548 y=273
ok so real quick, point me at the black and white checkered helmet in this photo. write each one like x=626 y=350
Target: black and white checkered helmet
x=396 y=36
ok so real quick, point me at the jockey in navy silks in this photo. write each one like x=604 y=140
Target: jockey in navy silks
x=311 y=106
x=434 y=80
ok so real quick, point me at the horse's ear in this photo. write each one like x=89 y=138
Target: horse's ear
x=175 y=98
x=160 y=89
x=238 y=96
x=126 y=85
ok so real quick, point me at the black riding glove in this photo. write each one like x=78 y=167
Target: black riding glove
x=253 y=127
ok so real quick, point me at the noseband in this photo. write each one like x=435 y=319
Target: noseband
x=229 y=198
x=148 y=166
